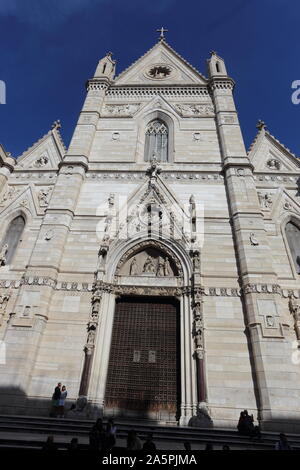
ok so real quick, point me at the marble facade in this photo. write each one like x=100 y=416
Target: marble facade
x=214 y=239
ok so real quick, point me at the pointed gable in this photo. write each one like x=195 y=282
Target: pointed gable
x=46 y=153
x=161 y=65
x=267 y=154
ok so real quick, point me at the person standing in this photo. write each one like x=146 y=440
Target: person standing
x=55 y=400
x=61 y=402
x=111 y=433
x=282 y=444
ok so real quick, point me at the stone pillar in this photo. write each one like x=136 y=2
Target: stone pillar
x=90 y=343
x=258 y=280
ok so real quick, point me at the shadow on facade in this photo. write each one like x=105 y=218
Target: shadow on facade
x=13 y=401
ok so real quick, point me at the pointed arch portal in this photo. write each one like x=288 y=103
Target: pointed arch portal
x=144 y=364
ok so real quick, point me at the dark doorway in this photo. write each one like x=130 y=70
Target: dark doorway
x=144 y=367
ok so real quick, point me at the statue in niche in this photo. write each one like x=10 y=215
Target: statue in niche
x=149 y=267
x=294 y=308
x=270 y=321
x=4 y=298
x=167 y=267
x=196 y=260
x=198 y=339
x=273 y=164
x=3 y=254
x=133 y=268
x=161 y=267
x=43 y=197
x=253 y=239
x=91 y=337
x=41 y=161
x=111 y=200
x=265 y=200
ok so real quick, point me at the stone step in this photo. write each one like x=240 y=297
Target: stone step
x=167 y=436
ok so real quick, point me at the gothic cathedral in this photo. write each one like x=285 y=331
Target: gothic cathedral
x=153 y=267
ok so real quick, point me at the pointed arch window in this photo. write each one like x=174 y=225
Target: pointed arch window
x=156 y=142
x=13 y=237
x=293 y=237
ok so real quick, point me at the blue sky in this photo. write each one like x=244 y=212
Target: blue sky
x=49 y=48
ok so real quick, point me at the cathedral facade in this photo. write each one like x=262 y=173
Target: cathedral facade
x=153 y=266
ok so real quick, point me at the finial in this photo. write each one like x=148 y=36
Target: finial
x=162 y=30
x=260 y=125
x=56 y=124
x=213 y=53
x=109 y=54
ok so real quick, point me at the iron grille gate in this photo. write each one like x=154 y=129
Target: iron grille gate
x=143 y=371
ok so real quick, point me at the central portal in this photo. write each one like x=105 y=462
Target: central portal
x=144 y=370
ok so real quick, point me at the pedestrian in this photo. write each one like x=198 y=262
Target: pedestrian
x=61 y=402
x=209 y=446
x=187 y=445
x=49 y=445
x=149 y=445
x=133 y=441
x=282 y=444
x=97 y=436
x=110 y=434
x=55 y=400
x=73 y=447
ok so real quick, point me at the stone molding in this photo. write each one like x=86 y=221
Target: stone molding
x=262 y=289
x=170 y=176
x=281 y=178
x=170 y=91
x=207 y=291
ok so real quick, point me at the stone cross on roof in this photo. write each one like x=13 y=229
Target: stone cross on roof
x=162 y=30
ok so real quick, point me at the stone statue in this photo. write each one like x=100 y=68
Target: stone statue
x=196 y=260
x=167 y=267
x=41 y=161
x=111 y=200
x=3 y=254
x=4 y=298
x=198 y=339
x=253 y=239
x=265 y=200
x=91 y=337
x=294 y=308
x=133 y=269
x=149 y=266
x=43 y=197
x=161 y=267
x=154 y=170
x=273 y=164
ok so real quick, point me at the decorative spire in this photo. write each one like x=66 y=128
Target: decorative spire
x=213 y=53
x=56 y=124
x=162 y=32
x=260 y=125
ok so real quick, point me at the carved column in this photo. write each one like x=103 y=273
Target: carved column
x=90 y=342
x=199 y=344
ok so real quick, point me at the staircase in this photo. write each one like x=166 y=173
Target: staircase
x=26 y=432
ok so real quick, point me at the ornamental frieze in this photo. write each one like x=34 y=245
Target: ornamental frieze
x=120 y=110
x=262 y=288
x=195 y=110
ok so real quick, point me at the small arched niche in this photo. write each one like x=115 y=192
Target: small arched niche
x=149 y=262
x=292 y=232
x=12 y=239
